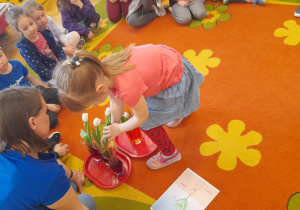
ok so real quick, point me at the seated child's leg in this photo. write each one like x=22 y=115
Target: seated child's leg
x=73 y=38
x=147 y=6
x=114 y=11
x=50 y=95
x=138 y=19
x=124 y=7
x=197 y=9
x=181 y=14
x=160 y=137
x=53 y=119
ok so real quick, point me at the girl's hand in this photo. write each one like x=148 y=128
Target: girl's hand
x=111 y=131
x=53 y=108
x=62 y=150
x=78 y=180
x=91 y=35
x=69 y=51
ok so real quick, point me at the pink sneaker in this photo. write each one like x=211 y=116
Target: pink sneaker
x=174 y=123
x=157 y=161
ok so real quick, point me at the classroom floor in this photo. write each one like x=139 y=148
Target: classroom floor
x=244 y=138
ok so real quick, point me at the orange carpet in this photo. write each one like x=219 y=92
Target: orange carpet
x=244 y=139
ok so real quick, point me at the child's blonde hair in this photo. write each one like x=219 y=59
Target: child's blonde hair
x=13 y=14
x=76 y=83
x=31 y=5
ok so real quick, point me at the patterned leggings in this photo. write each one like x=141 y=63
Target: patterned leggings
x=160 y=137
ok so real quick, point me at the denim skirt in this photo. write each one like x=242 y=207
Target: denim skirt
x=177 y=101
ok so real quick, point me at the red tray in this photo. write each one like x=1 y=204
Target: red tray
x=145 y=148
x=104 y=177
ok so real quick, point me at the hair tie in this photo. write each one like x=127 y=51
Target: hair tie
x=75 y=62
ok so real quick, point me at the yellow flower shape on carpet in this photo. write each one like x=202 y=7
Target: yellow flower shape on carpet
x=212 y=16
x=202 y=60
x=103 y=22
x=232 y=145
x=291 y=32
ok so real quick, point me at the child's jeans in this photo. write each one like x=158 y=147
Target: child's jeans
x=85 y=198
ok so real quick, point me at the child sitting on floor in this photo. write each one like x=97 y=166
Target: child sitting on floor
x=14 y=74
x=131 y=77
x=39 y=49
x=69 y=42
x=80 y=16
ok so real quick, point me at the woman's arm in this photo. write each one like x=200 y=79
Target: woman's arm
x=68 y=201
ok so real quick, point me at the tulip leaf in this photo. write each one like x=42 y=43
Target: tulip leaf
x=85 y=136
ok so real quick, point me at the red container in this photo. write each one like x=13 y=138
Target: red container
x=135 y=136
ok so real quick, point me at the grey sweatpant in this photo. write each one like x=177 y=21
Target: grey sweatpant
x=184 y=14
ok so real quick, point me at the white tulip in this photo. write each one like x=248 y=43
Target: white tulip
x=97 y=122
x=85 y=117
x=126 y=115
x=107 y=111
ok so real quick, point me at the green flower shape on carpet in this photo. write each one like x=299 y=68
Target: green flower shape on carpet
x=213 y=15
x=106 y=50
x=291 y=32
x=202 y=60
x=232 y=145
x=294 y=202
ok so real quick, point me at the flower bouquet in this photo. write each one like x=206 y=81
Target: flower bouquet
x=95 y=146
x=110 y=152
x=135 y=135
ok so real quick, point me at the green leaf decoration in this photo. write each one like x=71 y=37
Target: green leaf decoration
x=224 y=17
x=221 y=8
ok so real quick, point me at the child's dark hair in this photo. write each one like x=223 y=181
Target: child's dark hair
x=17 y=105
x=63 y=4
x=13 y=14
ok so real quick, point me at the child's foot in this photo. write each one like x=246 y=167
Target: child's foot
x=157 y=161
x=174 y=123
x=297 y=13
x=55 y=136
x=80 y=43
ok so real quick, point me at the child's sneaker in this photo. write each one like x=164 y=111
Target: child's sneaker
x=174 y=123
x=297 y=13
x=55 y=136
x=157 y=161
x=80 y=43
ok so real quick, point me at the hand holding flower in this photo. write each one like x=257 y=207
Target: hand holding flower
x=111 y=131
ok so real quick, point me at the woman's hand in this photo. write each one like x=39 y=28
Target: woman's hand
x=78 y=180
x=61 y=149
x=53 y=108
x=111 y=131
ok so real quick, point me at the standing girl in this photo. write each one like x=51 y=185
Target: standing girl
x=157 y=83
x=69 y=41
x=37 y=48
x=79 y=15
